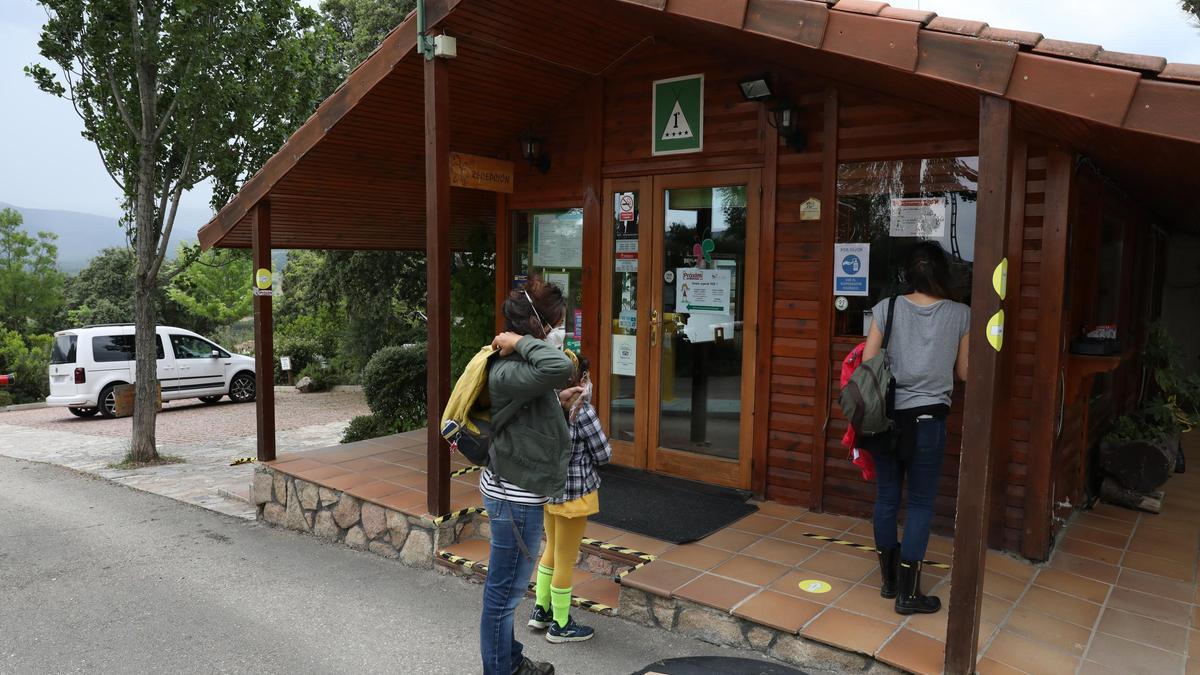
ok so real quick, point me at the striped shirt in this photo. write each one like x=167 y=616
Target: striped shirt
x=503 y=490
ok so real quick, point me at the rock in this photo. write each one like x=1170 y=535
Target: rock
x=398 y=527
x=296 y=519
x=308 y=495
x=325 y=525
x=634 y=605
x=808 y=654
x=305 y=385
x=280 y=482
x=880 y=668
x=274 y=513
x=418 y=549
x=260 y=489
x=328 y=497
x=380 y=548
x=711 y=626
x=664 y=611
x=373 y=520
x=356 y=538
x=347 y=511
x=760 y=637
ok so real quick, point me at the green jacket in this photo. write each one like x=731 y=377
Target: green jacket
x=532 y=451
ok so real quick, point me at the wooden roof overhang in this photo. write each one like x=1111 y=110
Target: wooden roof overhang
x=352 y=177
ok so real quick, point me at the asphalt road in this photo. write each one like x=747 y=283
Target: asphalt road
x=98 y=577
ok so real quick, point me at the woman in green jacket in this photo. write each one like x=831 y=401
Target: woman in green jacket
x=531 y=456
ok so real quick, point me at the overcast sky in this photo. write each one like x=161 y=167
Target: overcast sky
x=46 y=164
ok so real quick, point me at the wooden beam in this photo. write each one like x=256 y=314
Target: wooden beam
x=593 y=216
x=264 y=343
x=979 y=418
x=766 y=305
x=1047 y=384
x=504 y=257
x=437 y=276
x=828 y=224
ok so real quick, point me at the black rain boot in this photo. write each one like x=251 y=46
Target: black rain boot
x=911 y=600
x=889 y=560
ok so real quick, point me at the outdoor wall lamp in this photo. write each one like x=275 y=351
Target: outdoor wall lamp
x=786 y=120
x=533 y=150
x=757 y=88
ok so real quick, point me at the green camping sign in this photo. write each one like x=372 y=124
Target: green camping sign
x=678 y=115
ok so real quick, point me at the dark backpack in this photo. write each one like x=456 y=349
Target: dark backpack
x=868 y=397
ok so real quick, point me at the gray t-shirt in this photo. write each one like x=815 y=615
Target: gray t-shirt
x=923 y=349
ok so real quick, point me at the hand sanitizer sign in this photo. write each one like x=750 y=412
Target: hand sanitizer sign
x=851 y=269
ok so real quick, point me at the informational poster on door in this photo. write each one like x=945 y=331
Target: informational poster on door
x=625 y=251
x=702 y=291
x=625 y=206
x=624 y=355
x=562 y=280
x=558 y=239
x=851 y=266
x=923 y=217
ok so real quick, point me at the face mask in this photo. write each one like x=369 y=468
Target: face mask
x=557 y=337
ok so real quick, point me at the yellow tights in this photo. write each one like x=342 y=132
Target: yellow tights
x=562 y=547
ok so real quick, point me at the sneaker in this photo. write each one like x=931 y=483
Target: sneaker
x=572 y=632
x=541 y=618
x=530 y=667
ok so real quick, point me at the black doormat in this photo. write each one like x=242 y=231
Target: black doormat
x=666 y=508
x=714 y=665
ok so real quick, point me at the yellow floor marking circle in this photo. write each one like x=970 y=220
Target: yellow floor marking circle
x=815 y=586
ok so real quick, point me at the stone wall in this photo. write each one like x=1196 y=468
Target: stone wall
x=299 y=505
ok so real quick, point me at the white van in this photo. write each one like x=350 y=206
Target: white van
x=87 y=363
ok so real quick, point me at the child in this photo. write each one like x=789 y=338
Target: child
x=566 y=518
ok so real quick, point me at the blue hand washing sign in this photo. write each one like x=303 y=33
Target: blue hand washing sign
x=852 y=269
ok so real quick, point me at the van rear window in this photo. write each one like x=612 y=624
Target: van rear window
x=63 y=349
x=119 y=348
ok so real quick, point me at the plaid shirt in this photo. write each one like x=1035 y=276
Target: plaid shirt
x=589 y=449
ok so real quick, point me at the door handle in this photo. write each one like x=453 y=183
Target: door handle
x=654 y=322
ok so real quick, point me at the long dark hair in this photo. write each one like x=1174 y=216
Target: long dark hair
x=928 y=270
x=535 y=299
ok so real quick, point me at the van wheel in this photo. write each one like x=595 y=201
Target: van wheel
x=83 y=412
x=210 y=399
x=241 y=389
x=108 y=401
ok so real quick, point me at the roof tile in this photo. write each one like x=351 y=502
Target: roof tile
x=871 y=7
x=1182 y=72
x=945 y=24
x=1022 y=37
x=1143 y=62
x=1072 y=50
x=921 y=17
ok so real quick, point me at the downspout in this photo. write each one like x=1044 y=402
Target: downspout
x=424 y=46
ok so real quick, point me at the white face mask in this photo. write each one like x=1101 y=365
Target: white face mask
x=557 y=337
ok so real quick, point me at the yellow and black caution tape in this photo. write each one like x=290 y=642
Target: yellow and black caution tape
x=463 y=472
x=463 y=562
x=864 y=547
x=455 y=515
x=242 y=460
x=624 y=573
x=576 y=601
x=633 y=553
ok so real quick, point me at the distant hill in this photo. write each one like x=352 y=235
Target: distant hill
x=82 y=235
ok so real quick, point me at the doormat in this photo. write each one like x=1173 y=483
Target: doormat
x=666 y=508
x=714 y=665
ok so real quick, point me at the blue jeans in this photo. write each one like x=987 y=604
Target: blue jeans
x=508 y=576
x=922 y=471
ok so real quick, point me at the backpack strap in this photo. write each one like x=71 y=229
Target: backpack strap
x=891 y=319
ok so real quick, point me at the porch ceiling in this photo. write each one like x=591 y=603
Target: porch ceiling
x=352 y=177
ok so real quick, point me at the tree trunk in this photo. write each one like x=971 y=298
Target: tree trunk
x=1142 y=466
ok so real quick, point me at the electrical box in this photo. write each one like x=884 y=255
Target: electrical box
x=445 y=46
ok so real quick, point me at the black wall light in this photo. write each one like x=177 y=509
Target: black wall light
x=784 y=116
x=533 y=150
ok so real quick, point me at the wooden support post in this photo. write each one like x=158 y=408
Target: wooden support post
x=971 y=514
x=823 y=386
x=593 y=216
x=766 y=306
x=437 y=276
x=504 y=257
x=264 y=339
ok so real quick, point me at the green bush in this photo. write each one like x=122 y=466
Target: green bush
x=394 y=384
x=322 y=378
x=303 y=352
x=27 y=356
x=364 y=427
x=5 y=399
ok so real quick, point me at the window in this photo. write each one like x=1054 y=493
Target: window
x=63 y=349
x=550 y=244
x=890 y=205
x=110 y=348
x=191 y=347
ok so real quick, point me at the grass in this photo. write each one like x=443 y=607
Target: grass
x=129 y=463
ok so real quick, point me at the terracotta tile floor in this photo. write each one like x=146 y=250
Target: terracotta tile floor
x=1119 y=594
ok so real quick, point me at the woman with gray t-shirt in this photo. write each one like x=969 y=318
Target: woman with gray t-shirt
x=927 y=348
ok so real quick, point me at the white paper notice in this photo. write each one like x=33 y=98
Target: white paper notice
x=626 y=252
x=562 y=280
x=558 y=239
x=918 y=217
x=624 y=355
x=702 y=291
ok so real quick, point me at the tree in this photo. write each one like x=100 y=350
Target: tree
x=1192 y=7
x=362 y=24
x=173 y=92
x=215 y=288
x=30 y=283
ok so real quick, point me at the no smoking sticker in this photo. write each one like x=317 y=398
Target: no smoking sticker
x=815 y=586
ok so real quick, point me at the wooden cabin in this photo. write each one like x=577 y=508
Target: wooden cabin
x=725 y=188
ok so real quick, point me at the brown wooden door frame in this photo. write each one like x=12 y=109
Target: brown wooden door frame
x=645 y=451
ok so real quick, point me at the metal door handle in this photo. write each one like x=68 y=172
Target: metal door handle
x=654 y=327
